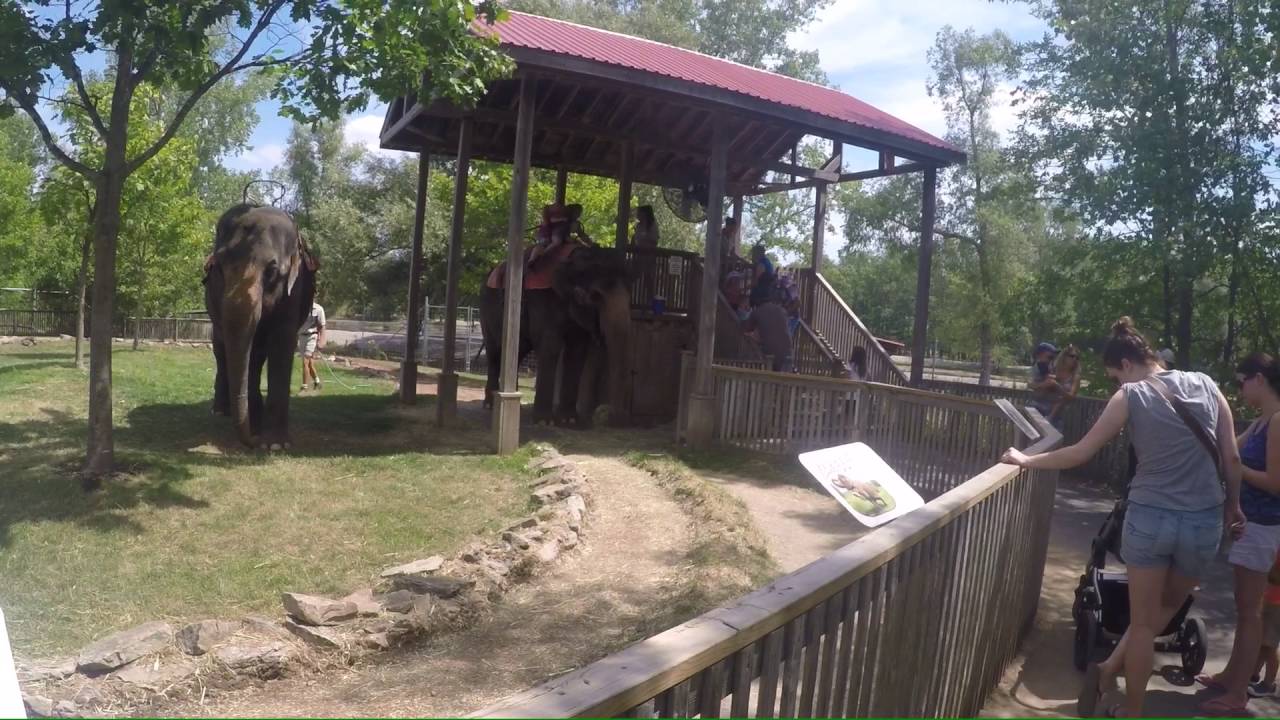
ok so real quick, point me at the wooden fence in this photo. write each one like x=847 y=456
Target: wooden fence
x=1111 y=464
x=917 y=618
x=38 y=322
x=674 y=275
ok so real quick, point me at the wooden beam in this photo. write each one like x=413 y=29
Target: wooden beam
x=409 y=366
x=924 y=274
x=801 y=171
x=702 y=404
x=767 y=188
x=507 y=404
x=413 y=110
x=622 y=232
x=447 y=388
x=562 y=184
x=819 y=231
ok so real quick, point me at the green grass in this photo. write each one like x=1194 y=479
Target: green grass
x=197 y=526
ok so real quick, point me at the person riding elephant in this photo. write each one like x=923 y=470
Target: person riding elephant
x=575 y=316
x=259 y=284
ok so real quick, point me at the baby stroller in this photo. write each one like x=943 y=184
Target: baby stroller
x=1101 y=608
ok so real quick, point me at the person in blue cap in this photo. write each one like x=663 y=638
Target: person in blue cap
x=1042 y=383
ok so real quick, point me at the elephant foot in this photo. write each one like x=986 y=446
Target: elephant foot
x=544 y=418
x=274 y=443
x=220 y=408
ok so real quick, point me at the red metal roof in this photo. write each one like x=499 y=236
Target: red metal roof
x=564 y=38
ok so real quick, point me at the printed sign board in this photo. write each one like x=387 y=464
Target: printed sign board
x=1018 y=419
x=862 y=482
x=10 y=696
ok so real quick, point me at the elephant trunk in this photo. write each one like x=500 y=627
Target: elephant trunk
x=241 y=311
x=615 y=325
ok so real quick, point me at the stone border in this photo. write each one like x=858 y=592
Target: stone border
x=410 y=602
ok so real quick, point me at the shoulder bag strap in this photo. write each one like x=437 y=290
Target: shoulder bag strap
x=1184 y=414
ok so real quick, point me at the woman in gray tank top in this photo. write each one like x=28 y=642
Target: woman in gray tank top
x=1177 y=504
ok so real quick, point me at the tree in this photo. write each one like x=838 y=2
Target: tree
x=330 y=57
x=1154 y=121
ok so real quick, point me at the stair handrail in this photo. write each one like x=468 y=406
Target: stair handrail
x=876 y=347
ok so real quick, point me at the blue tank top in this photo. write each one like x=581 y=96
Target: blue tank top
x=1259 y=506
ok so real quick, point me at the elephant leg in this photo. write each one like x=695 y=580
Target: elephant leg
x=257 y=359
x=545 y=384
x=491 y=303
x=279 y=358
x=572 y=359
x=589 y=381
x=221 y=395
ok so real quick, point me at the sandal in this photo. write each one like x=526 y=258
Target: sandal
x=1090 y=691
x=1211 y=682
x=1218 y=707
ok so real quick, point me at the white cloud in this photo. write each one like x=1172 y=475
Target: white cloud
x=263 y=157
x=365 y=129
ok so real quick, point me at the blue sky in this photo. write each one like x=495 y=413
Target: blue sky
x=872 y=49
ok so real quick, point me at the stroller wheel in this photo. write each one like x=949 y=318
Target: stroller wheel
x=1086 y=636
x=1191 y=640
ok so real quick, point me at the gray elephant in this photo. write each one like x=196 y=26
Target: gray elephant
x=259 y=283
x=580 y=326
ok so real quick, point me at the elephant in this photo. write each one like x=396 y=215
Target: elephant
x=579 y=326
x=259 y=284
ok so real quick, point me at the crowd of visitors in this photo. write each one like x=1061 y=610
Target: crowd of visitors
x=1196 y=484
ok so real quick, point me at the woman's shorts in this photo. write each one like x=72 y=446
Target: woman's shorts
x=307 y=345
x=1186 y=541
x=1256 y=549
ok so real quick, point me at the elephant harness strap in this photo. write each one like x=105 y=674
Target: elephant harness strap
x=537 y=277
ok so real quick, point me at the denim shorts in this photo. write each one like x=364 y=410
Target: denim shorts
x=1186 y=541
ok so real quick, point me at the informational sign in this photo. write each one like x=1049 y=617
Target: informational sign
x=10 y=696
x=1046 y=428
x=862 y=482
x=1018 y=419
x=675 y=264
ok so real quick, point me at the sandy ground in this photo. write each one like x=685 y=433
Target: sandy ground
x=1042 y=682
x=593 y=602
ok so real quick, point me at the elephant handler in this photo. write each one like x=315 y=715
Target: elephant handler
x=310 y=339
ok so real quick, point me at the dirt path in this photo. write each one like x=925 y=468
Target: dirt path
x=1042 y=682
x=800 y=524
x=593 y=602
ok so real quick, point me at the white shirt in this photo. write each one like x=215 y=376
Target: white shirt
x=314 y=322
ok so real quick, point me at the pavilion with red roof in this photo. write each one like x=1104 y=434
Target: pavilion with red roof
x=590 y=101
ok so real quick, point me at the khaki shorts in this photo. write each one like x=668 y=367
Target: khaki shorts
x=307 y=345
x=1270 y=625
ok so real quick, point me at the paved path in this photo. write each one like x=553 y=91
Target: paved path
x=1042 y=682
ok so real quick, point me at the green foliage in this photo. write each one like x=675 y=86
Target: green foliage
x=20 y=226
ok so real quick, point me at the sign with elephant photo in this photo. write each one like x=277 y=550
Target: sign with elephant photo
x=862 y=482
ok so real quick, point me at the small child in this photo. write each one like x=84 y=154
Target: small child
x=548 y=241
x=1269 y=658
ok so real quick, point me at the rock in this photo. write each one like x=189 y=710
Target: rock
x=541 y=461
x=428 y=565
x=265 y=659
x=376 y=641
x=124 y=647
x=548 y=552
x=569 y=540
x=199 y=637
x=156 y=674
x=38 y=705
x=65 y=708
x=472 y=555
x=576 y=506
x=263 y=626
x=374 y=627
x=437 y=585
x=525 y=523
x=64 y=336
x=517 y=540
x=496 y=566
x=48 y=670
x=550 y=463
x=366 y=605
x=28 y=341
x=318 y=636
x=88 y=695
x=397 y=601
x=551 y=493
x=316 y=610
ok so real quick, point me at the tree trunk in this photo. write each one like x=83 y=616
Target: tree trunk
x=1186 y=305
x=137 y=330
x=984 y=353
x=1233 y=295
x=82 y=280
x=109 y=190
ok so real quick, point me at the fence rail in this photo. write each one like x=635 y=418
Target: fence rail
x=674 y=275
x=886 y=626
x=1110 y=464
x=38 y=322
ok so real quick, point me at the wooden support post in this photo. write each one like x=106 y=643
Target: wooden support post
x=702 y=402
x=919 y=337
x=819 y=226
x=562 y=184
x=447 y=390
x=623 y=234
x=736 y=248
x=507 y=406
x=409 y=367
